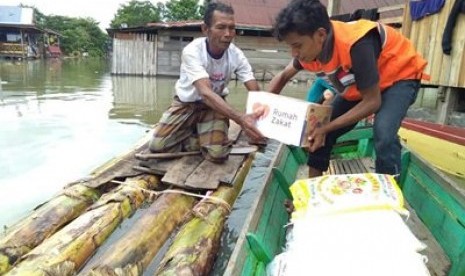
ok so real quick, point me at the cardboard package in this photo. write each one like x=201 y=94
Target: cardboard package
x=288 y=120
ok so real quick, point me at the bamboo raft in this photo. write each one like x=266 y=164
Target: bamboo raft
x=73 y=232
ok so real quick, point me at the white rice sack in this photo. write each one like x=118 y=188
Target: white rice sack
x=365 y=243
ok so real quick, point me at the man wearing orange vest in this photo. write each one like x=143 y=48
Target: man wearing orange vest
x=372 y=67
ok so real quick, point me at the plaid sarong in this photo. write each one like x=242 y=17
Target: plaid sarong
x=190 y=127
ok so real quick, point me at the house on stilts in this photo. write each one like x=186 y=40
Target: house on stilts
x=21 y=38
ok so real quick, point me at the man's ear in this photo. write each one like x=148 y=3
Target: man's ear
x=204 y=28
x=321 y=34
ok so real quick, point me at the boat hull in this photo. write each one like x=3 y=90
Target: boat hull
x=442 y=146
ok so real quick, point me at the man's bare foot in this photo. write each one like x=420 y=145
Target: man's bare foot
x=289 y=206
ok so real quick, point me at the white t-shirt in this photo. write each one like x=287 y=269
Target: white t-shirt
x=197 y=64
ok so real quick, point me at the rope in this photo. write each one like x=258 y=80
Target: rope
x=212 y=199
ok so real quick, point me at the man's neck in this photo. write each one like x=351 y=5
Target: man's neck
x=327 y=49
x=213 y=54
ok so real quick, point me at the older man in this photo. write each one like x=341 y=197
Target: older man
x=199 y=115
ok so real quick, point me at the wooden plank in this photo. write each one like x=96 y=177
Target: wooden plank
x=457 y=53
x=391 y=8
x=369 y=164
x=391 y=20
x=340 y=168
x=235 y=150
x=348 y=166
x=423 y=29
x=445 y=66
x=354 y=166
x=181 y=170
x=334 y=167
x=228 y=178
x=344 y=166
x=435 y=43
x=331 y=169
x=158 y=167
x=148 y=170
x=414 y=30
x=406 y=21
x=208 y=174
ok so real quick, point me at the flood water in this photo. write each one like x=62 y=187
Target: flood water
x=60 y=119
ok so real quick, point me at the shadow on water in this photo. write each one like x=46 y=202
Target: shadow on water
x=59 y=119
x=140 y=98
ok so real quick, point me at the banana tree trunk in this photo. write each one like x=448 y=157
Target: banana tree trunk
x=67 y=250
x=44 y=222
x=195 y=246
x=137 y=248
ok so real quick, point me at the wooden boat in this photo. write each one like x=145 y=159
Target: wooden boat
x=436 y=203
x=441 y=145
x=70 y=234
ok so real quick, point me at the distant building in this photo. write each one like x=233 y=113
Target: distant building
x=155 y=49
x=21 y=38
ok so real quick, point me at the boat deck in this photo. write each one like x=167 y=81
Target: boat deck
x=438 y=262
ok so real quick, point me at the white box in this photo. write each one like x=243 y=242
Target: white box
x=287 y=119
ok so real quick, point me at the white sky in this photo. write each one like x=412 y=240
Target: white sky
x=102 y=11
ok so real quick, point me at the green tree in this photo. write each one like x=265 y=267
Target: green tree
x=179 y=10
x=78 y=34
x=202 y=7
x=136 y=13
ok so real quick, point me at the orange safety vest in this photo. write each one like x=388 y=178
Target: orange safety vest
x=397 y=61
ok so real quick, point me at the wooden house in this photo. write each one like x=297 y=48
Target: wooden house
x=156 y=49
x=446 y=68
x=21 y=38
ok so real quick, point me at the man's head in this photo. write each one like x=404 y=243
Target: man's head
x=219 y=27
x=303 y=25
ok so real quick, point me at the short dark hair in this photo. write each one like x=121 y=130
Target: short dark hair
x=215 y=6
x=301 y=16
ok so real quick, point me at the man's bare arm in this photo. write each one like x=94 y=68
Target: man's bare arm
x=282 y=78
x=215 y=102
x=369 y=104
x=252 y=85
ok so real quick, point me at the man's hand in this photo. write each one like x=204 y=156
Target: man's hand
x=248 y=125
x=316 y=139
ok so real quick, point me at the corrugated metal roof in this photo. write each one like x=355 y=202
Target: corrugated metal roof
x=175 y=24
x=349 y=6
x=259 y=13
x=262 y=12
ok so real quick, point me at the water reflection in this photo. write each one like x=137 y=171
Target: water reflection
x=140 y=98
x=60 y=119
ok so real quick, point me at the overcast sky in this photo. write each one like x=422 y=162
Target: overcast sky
x=101 y=10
